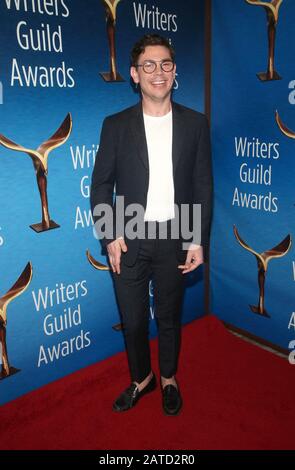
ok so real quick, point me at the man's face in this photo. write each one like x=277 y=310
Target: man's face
x=155 y=86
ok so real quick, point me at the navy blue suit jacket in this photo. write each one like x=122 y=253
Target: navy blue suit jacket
x=122 y=162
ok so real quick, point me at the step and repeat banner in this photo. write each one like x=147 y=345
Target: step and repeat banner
x=64 y=66
x=253 y=127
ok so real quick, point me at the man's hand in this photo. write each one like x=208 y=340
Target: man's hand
x=115 y=249
x=194 y=258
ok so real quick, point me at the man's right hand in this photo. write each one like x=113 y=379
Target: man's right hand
x=115 y=249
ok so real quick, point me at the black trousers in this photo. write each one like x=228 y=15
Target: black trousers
x=156 y=260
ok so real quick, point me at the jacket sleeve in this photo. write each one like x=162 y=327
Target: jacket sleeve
x=203 y=183
x=102 y=184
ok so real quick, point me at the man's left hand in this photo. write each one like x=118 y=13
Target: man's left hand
x=194 y=258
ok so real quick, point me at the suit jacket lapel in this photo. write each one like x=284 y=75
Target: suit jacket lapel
x=138 y=130
x=137 y=126
x=177 y=136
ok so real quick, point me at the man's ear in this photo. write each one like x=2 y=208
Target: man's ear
x=174 y=70
x=134 y=74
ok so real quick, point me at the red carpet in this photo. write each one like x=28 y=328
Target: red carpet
x=236 y=396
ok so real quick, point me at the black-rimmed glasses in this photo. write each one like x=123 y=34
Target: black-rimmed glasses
x=149 y=66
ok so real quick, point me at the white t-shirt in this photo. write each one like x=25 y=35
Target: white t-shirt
x=160 y=197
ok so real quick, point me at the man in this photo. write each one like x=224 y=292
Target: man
x=157 y=155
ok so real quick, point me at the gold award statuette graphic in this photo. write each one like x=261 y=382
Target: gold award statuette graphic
x=17 y=289
x=40 y=162
x=272 y=13
x=262 y=262
x=285 y=130
x=111 y=15
x=96 y=264
x=101 y=267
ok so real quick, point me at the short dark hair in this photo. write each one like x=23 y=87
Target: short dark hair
x=150 y=40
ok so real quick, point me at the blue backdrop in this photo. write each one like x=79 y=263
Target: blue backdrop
x=50 y=59
x=253 y=169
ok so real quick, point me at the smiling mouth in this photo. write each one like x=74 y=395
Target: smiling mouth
x=159 y=82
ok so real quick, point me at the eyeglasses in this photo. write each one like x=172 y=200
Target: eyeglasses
x=149 y=66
